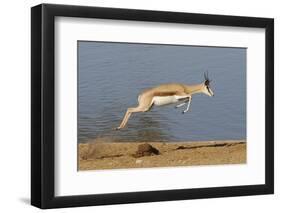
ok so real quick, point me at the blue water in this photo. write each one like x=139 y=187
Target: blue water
x=111 y=75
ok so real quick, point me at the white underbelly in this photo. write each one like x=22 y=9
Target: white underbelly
x=163 y=100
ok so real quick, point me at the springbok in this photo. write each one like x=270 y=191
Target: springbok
x=167 y=94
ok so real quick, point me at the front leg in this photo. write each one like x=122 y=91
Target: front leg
x=181 y=104
x=188 y=105
x=185 y=100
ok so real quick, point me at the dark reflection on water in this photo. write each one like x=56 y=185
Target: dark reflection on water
x=150 y=129
x=145 y=128
x=111 y=75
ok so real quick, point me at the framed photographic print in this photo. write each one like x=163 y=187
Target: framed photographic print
x=139 y=106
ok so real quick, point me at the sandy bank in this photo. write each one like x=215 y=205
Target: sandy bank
x=123 y=155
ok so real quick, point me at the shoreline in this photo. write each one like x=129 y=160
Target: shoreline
x=119 y=155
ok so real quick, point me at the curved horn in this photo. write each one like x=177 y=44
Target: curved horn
x=205 y=76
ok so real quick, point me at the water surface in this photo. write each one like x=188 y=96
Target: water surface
x=111 y=75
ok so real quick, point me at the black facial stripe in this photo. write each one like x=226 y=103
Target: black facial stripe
x=208 y=89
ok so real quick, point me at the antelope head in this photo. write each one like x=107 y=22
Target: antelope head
x=206 y=88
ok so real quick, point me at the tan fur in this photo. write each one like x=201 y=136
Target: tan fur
x=145 y=99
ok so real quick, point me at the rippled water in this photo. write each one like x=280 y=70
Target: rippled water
x=111 y=75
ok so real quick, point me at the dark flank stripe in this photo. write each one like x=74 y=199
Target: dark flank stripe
x=165 y=93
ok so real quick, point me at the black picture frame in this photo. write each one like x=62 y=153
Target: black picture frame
x=43 y=102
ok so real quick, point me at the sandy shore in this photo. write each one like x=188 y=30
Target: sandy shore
x=94 y=156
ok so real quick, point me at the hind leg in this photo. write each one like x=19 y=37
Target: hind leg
x=144 y=106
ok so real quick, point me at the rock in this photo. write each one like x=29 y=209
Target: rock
x=146 y=150
x=181 y=147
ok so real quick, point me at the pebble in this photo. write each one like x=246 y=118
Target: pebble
x=139 y=161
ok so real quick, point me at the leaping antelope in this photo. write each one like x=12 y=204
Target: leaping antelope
x=167 y=94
